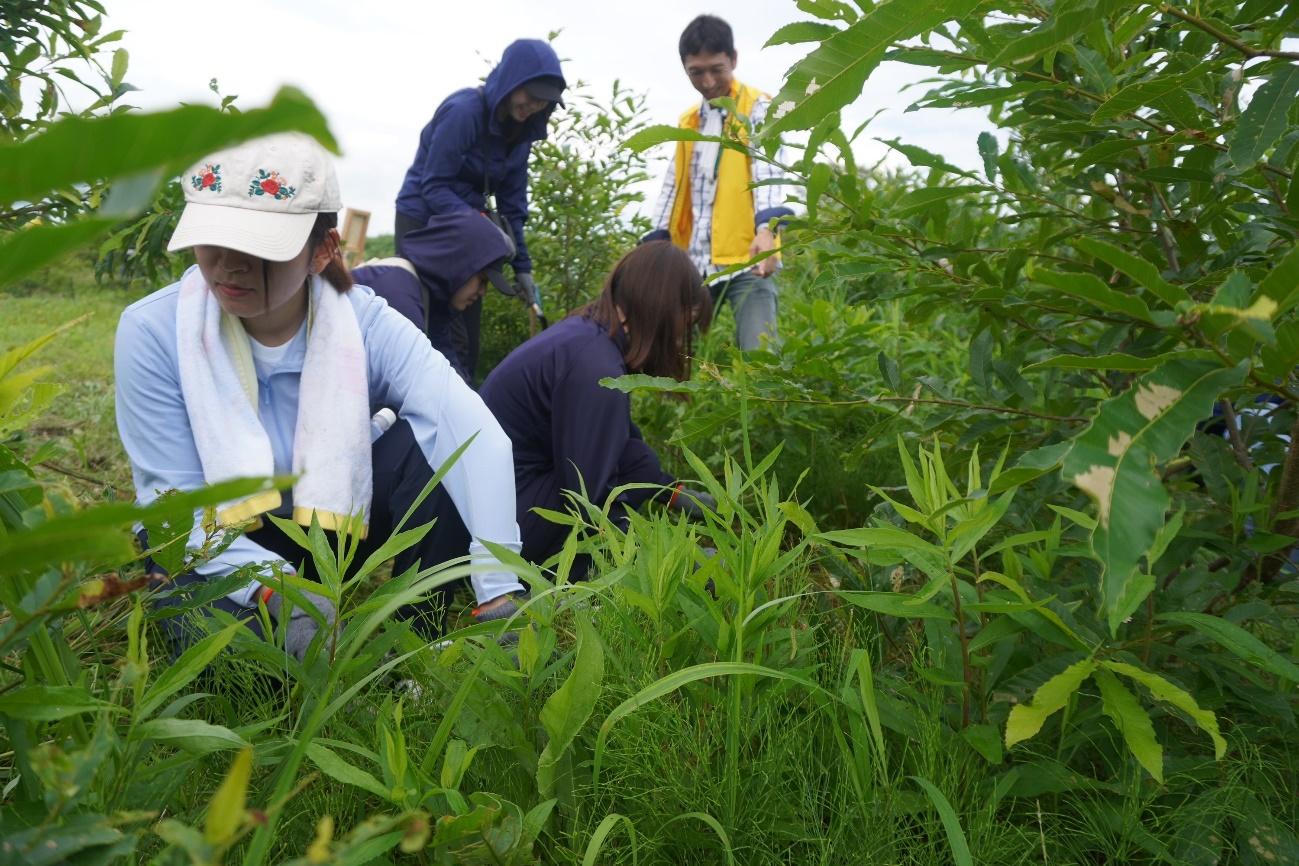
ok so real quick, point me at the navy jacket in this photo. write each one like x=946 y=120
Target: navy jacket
x=465 y=140
x=547 y=396
x=446 y=253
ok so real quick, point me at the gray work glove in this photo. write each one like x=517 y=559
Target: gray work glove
x=302 y=626
x=691 y=502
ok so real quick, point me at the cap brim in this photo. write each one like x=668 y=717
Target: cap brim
x=545 y=90
x=497 y=278
x=276 y=237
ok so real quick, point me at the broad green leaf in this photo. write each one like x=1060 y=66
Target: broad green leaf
x=183 y=671
x=801 y=31
x=1030 y=465
x=988 y=147
x=1146 y=274
x=663 y=133
x=1119 y=361
x=1282 y=283
x=569 y=707
x=894 y=604
x=337 y=768
x=1115 y=462
x=1068 y=19
x=922 y=158
x=1133 y=723
x=1237 y=641
x=1264 y=119
x=833 y=75
x=1165 y=691
x=1025 y=720
x=225 y=814
x=76 y=150
x=49 y=703
x=1091 y=288
x=1167 y=93
x=192 y=735
x=951 y=823
x=918 y=199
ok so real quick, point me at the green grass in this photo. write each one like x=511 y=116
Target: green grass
x=80 y=425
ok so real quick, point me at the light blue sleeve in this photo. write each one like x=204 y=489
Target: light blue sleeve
x=408 y=375
x=155 y=431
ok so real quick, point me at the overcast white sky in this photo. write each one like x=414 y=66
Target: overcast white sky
x=378 y=69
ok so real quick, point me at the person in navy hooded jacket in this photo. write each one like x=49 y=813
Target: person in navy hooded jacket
x=447 y=267
x=570 y=432
x=474 y=150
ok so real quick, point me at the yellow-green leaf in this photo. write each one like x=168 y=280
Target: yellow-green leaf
x=1027 y=719
x=225 y=814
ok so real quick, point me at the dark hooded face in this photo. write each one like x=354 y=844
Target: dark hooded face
x=520 y=105
x=710 y=74
x=463 y=297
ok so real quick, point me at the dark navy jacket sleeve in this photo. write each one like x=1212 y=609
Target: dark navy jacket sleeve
x=451 y=136
x=512 y=200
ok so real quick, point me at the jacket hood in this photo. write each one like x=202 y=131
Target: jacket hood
x=452 y=248
x=522 y=61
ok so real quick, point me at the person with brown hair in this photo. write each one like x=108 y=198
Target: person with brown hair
x=264 y=360
x=569 y=432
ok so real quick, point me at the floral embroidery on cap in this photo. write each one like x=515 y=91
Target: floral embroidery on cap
x=208 y=177
x=272 y=184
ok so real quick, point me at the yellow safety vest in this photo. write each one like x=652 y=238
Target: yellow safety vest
x=733 y=212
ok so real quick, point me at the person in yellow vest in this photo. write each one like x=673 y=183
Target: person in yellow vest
x=718 y=204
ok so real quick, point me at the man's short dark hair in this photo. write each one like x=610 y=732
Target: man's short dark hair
x=707 y=34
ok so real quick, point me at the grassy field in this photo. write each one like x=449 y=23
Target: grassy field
x=81 y=424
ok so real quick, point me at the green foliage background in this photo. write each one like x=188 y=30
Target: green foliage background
x=1000 y=566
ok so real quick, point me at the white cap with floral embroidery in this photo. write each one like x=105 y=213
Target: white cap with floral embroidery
x=260 y=197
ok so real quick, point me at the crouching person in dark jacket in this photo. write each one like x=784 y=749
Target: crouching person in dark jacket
x=473 y=156
x=568 y=430
x=446 y=269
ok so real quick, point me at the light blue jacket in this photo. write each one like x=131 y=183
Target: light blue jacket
x=406 y=375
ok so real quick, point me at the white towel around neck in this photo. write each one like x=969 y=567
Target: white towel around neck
x=331 y=441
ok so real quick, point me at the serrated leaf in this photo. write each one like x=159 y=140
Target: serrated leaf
x=918 y=199
x=1237 y=641
x=1132 y=721
x=1264 y=119
x=801 y=31
x=1165 y=691
x=1115 y=459
x=1067 y=20
x=1091 y=288
x=1167 y=93
x=1146 y=274
x=833 y=75
x=1025 y=720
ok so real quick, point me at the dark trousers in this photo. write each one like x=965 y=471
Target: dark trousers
x=466 y=326
x=400 y=474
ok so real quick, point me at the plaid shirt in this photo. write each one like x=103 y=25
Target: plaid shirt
x=768 y=200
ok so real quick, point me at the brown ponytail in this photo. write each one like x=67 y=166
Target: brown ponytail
x=336 y=272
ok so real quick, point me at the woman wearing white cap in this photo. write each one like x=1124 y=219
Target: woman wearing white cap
x=265 y=360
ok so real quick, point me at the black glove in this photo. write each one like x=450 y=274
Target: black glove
x=691 y=502
x=302 y=626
